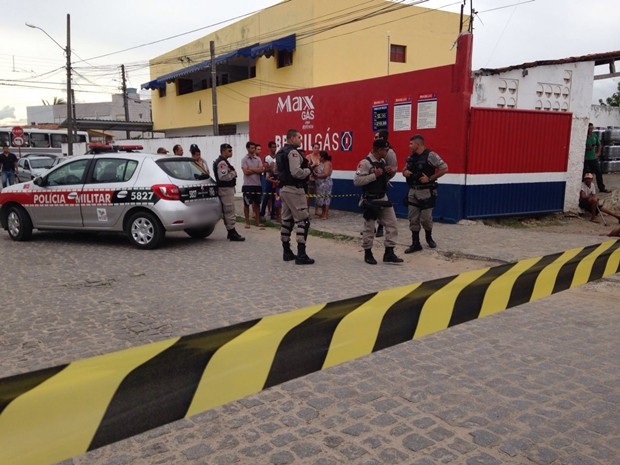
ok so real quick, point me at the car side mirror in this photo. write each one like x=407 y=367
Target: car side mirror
x=40 y=181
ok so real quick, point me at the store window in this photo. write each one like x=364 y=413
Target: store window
x=398 y=53
x=285 y=58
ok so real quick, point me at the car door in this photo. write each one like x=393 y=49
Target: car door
x=107 y=192
x=24 y=170
x=56 y=200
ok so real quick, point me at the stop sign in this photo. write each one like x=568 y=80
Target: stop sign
x=17 y=131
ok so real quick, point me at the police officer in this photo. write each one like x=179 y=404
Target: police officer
x=422 y=169
x=293 y=173
x=391 y=160
x=373 y=174
x=226 y=178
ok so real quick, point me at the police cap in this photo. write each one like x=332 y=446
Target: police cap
x=380 y=144
x=225 y=147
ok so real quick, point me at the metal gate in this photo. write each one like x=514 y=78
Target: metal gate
x=516 y=162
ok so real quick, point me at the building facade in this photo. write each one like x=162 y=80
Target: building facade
x=139 y=111
x=552 y=86
x=293 y=45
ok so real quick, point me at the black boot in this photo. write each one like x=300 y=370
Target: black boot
x=288 y=254
x=415 y=243
x=234 y=236
x=368 y=258
x=379 y=232
x=390 y=257
x=302 y=257
x=429 y=239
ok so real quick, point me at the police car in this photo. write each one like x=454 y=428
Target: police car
x=142 y=195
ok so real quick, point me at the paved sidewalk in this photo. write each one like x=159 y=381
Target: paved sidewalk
x=468 y=239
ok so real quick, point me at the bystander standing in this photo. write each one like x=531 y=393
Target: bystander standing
x=252 y=167
x=8 y=166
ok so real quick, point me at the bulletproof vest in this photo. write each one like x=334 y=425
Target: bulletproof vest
x=231 y=183
x=419 y=165
x=377 y=188
x=284 y=171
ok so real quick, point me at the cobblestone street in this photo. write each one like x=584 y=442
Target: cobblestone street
x=535 y=384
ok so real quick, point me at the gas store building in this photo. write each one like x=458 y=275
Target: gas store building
x=513 y=138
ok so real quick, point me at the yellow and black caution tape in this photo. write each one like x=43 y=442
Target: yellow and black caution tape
x=57 y=413
x=331 y=196
x=323 y=196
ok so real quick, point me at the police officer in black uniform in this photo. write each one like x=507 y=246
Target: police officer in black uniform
x=422 y=169
x=226 y=178
x=293 y=173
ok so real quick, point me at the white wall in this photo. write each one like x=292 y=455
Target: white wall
x=139 y=110
x=209 y=148
x=564 y=88
x=604 y=116
x=242 y=128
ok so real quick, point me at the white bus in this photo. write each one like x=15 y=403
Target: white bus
x=39 y=140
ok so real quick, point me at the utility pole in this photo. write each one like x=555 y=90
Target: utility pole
x=125 y=100
x=70 y=99
x=389 y=52
x=73 y=115
x=69 y=93
x=216 y=128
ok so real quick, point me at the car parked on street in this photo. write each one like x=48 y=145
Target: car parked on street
x=49 y=155
x=31 y=167
x=142 y=195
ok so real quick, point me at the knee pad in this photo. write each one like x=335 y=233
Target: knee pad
x=303 y=227
x=287 y=224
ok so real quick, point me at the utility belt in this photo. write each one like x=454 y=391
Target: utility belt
x=372 y=204
x=296 y=183
x=422 y=204
x=417 y=187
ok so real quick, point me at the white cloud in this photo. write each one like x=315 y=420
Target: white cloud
x=7 y=113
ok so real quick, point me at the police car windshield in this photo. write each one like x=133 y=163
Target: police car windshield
x=182 y=168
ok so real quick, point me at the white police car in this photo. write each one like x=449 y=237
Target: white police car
x=142 y=195
x=31 y=167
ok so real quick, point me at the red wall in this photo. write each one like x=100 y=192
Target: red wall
x=518 y=141
x=342 y=115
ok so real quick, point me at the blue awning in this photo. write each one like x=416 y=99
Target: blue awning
x=160 y=81
x=154 y=84
x=268 y=49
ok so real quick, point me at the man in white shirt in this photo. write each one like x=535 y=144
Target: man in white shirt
x=589 y=201
x=270 y=184
x=252 y=167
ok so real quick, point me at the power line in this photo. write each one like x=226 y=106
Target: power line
x=178 y=35
x=304 y=30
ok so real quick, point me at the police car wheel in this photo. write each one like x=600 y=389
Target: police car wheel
x=145 y=231
x=19 y=224
x=200 y=233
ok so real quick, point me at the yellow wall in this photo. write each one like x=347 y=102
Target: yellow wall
x=347 y=53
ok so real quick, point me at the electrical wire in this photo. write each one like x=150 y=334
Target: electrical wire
x=304 y=30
